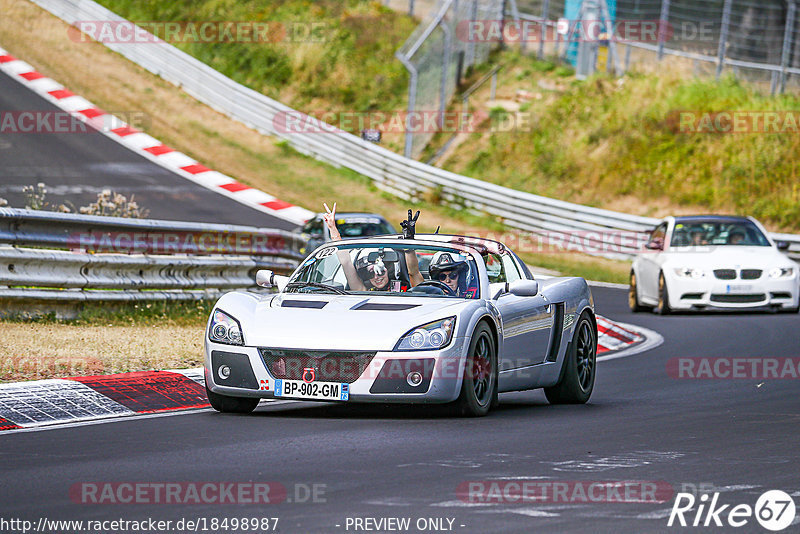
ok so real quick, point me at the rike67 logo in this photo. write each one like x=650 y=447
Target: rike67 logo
x=774 y=510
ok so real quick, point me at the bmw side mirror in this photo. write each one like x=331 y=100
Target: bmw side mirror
x=524 y=288
x=782 y=245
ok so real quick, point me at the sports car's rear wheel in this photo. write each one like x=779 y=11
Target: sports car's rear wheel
x=479 y=387
x=577 y=377
x=225 y=404
x=663 y=297
x=633 y=296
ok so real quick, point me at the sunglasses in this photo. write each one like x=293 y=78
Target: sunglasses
x=448 y=276
x=376 y=270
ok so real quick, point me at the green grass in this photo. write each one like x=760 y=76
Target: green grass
x=154 y=313
x=346 y=65
x=613 y=142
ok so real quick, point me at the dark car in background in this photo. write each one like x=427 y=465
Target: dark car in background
x=350 y=225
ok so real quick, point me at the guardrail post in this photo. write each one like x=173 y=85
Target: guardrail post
x=543 y=32
x=787 y=43
x=723 y=36
x=663 y=21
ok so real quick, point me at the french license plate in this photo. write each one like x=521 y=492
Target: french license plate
x=738 y=288
x=298 y=389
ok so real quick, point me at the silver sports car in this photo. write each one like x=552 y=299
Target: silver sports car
x=427 y=319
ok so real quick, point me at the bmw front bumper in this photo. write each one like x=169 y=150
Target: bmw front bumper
x=704 y=293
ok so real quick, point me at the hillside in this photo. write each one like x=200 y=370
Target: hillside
x=630 y=144
x=612 y=143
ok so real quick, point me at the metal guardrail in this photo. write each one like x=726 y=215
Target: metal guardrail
x=391 y=172
x=92 y=232
x=113 y=259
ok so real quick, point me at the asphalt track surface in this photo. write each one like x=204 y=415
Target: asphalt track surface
x=739 y=436
x=77 y=166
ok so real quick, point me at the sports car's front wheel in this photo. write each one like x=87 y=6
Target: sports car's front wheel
x=577 y=378
x=225 y=404
x=479 y=387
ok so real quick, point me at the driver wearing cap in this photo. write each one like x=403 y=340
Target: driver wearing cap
x=452 y=270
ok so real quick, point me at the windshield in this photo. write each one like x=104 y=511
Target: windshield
x=715 y=232
x=363 y=227
x=388 y=269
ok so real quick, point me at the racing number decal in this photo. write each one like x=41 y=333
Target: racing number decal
x=325 y=252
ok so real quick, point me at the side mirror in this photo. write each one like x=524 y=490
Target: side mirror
x=266 y=278
x=524 y=288
x=782 y=245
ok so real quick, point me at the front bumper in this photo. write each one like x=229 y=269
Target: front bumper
x=711 y=293
x=442 y=371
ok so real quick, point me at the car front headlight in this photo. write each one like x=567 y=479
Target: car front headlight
x=781 y=272
x=225 y=329
x=689 y=272
x=430 y=336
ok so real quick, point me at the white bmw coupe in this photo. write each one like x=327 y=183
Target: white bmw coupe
x=712 y=262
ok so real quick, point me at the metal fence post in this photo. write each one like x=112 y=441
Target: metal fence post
x=545 y=11
x=446 y=55
x=787 y=43
x=410 y=8
x=470 y=56
x=723 y=35
x=662 y=27
x=412 y=99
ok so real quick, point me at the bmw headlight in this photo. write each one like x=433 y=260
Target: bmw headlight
x=225 y=329
x=431 y=336
x=689 y=272
x=781 y=272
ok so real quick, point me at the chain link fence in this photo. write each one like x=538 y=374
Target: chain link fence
x=437 y=55
x=756 y=40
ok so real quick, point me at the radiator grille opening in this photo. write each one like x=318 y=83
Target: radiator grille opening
x=329 y=366
x=725 y=274
x=757 y=297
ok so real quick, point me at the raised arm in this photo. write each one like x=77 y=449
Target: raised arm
x=353 y=280
x=412 y=262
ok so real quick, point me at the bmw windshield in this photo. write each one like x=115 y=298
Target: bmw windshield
x=388 y=269
x=695 y=233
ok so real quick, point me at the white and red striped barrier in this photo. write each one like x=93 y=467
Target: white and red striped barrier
x=66 y=400
x=145 y=145
x=613 y=337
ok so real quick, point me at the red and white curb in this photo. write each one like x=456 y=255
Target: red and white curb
x=147 y=146
x=612 y=336
x=45 y=403
x=65 y=400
